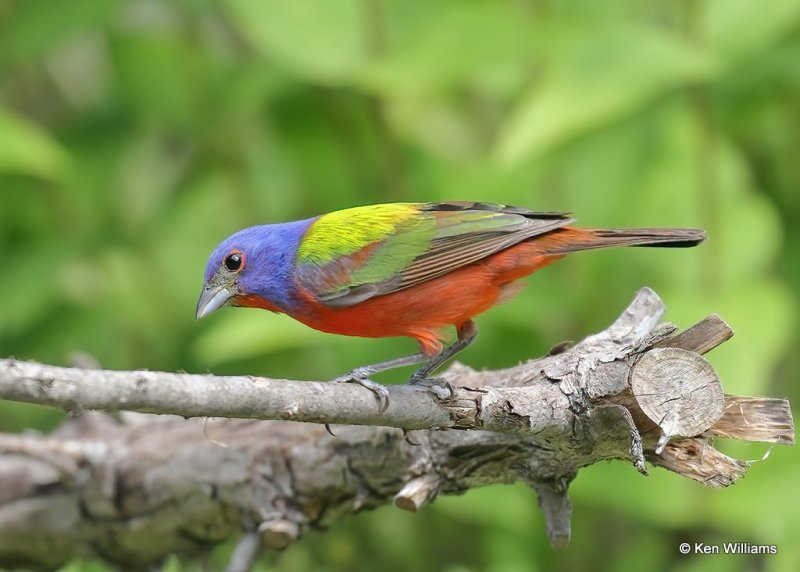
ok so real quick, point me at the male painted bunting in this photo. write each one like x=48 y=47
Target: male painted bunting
x=402 y=269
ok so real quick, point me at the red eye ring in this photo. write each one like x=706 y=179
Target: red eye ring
x=234 y=262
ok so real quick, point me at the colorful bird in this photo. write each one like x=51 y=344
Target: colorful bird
x=402 y=269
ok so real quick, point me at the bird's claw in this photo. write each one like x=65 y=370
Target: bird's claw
x=359 y=376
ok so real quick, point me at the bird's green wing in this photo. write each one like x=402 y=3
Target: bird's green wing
x=349 y=256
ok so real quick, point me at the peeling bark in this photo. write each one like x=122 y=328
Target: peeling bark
x=133 y=489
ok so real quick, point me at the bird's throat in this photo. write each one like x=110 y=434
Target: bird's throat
x=252 y=301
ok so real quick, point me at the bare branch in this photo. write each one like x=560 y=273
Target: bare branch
x=134 y=488
x=245 y=554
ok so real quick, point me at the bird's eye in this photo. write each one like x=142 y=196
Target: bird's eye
x=234 y=261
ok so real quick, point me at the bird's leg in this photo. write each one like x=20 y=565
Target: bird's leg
x=361 y=375
x=365 y=371
x=466 y=335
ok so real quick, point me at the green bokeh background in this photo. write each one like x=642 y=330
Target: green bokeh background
x=135 y=135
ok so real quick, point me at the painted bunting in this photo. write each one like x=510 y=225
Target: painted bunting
x=402 y=269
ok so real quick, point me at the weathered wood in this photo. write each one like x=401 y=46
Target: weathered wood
x=279 y=533
x=557 y=509
x=755 y=419
x=678 y=390
x=701 y=338
x=699 y=460
x=134 y=488
x=417 y=492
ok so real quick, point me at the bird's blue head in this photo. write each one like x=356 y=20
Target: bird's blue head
x=253 y=267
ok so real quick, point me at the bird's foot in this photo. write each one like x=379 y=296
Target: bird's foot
x=360 y=375
x=355 y=374
x=437 y=385
x=422 y=379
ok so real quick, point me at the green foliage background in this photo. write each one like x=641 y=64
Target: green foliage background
x=135 y=135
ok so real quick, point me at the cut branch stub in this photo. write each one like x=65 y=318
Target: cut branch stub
x=701 y=338
x=417 y=492
x=557 y=508
x=679 y=391
x=279 y=533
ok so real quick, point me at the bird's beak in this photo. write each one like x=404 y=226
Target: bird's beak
x=212 y=298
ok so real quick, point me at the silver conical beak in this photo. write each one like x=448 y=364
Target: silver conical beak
x=212 y=299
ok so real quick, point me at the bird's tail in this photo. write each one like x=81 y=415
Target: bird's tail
x=571 y=239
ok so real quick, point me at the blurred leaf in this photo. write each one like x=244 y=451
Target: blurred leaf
x=679 y=183
x=173 y=564
x=511 y=511
x=311 y=134
x=433 y=49
x=739 y=28
x=732 y=510
x=440 y=126
x=316 y=39
x=31 y=291
x=26 y=148
x=132 y=289
x=440 y=87
x=762 y=325
x=36 y=26
x=597 y=78
x=140 y=198
x=670 y=508
x=171 y=63
x=238 y=335
x=17 y=417
x=507 y=553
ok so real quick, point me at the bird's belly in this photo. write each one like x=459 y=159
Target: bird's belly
x=431 y=305
x=424 y=310
x=421 y=312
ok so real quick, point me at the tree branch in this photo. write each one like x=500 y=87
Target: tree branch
x=135 y=489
